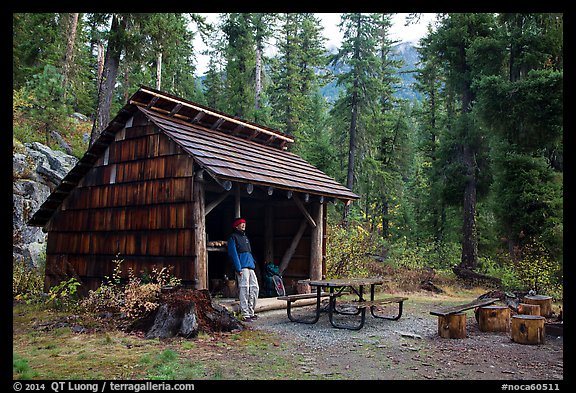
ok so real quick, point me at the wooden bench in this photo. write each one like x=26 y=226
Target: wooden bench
x=373 y=304
x=299 y=296
x=452 y=320
x=463 y=307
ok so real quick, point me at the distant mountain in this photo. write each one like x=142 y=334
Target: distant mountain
x=405 y=51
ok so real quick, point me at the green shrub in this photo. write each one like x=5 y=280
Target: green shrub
x=535 y=268
x=135 y=298
x=64 y=295
x=27 y=281
x=348 y=250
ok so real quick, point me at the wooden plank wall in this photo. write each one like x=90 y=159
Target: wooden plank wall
x=134 y=202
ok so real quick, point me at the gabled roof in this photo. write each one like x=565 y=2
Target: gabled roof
x=227 y=148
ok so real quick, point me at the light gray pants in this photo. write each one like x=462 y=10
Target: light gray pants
x=248 y=292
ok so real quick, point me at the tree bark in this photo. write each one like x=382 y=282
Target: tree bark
x=159 y=70
x=258 y=91
x=353 y=126
x=69 y=55
x=109 y=75
x=469 y=241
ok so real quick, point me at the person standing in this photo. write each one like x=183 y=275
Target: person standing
x=244 y=264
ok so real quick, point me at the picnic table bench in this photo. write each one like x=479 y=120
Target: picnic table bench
x=452 y=319
x=338 y=287
x=299 y=296
x=373 y=304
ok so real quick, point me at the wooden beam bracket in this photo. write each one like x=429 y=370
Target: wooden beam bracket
x=304 y=211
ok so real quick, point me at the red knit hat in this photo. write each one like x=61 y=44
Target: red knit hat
x=237 y=222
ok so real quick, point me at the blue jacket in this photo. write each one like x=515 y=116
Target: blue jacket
x=240 y=260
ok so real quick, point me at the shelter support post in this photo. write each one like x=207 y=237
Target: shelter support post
x=237 y=210
x=201 y=259
x=269 y=233
x=316 y=243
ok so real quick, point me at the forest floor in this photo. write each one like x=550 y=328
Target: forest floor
x=410 y=348
x=50 y=345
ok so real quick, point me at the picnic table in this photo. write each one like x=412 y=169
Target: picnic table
x=334 y=289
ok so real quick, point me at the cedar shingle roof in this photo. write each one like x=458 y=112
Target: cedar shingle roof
x=228 y=148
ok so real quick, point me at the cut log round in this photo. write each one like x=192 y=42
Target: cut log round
x=545 y=303
x=303 y=287
x=452 y=325
x=494 y=319
x=529 y=309
x=528 y=329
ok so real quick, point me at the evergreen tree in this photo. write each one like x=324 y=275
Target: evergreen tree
x=295 y=76
x=523 y=107
x=359 y=52
x=240 y=65
x=458 y=40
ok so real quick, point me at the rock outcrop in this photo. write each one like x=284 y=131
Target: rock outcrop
x=36 y=171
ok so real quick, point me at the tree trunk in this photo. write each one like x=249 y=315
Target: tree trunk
x=353 y=127
x=469 y=241
x=109 y=75
x=258 y=76
x=69 y=55
x=159 y=70
x=100 y=63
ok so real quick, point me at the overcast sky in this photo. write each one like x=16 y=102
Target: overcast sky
x=330 y=22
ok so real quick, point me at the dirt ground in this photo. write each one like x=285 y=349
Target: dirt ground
x=410 y=349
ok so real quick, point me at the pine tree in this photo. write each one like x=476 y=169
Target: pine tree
x=295 y=77
x=362 y=84
x=240 y=65
x=456 y=37
x=523 y=107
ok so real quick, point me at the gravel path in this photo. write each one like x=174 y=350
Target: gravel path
x=410 y=348
x=322 y=334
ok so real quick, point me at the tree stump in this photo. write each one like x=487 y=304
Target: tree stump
x=184 y=313
x=452 y=325
x=545 y=303
x=529 y=309
x=528 y=329
x=494 y=319
x=231 y=289
x=303 y=287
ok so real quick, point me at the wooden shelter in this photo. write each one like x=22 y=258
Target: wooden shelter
x=161 y=186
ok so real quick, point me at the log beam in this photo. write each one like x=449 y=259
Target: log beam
x=304 y=211
x=290 y=251
x=201 y=258
x=215 y=203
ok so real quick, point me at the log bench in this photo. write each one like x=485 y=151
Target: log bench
x=452 y=320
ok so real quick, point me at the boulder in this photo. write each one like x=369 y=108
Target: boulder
x=36 y=171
